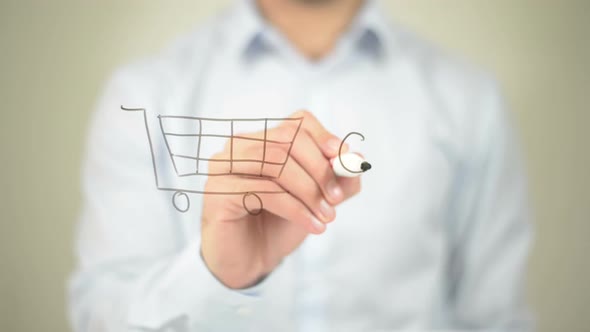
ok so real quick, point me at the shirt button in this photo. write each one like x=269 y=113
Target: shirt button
x=245 y=311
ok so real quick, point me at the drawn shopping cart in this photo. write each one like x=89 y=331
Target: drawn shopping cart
x=190 y=165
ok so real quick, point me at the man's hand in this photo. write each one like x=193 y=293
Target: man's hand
x=240 y=248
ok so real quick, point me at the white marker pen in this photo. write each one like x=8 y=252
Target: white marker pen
x=349 y=165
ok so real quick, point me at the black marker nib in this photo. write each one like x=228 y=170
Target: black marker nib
x=365 y=166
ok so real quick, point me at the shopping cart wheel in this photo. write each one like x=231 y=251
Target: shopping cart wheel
x=181 y=196
x=256 y=211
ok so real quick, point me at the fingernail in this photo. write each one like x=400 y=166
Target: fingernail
x=326 y=210
x=318 y=225
x=334 y=190
x=333 y=144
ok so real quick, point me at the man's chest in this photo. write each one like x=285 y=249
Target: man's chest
x=388 y=245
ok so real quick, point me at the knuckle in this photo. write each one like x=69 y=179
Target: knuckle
x=276 y=154
x=302 y=113
x=283 y=133
x=267 y=186
x=271 y=154
x=249 y=150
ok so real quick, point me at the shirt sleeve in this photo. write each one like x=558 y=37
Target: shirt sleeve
x=139 y=262
x=490 y=226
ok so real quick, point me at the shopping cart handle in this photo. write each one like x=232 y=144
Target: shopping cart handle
x=132 y=109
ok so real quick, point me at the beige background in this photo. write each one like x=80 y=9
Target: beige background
x=55 y=56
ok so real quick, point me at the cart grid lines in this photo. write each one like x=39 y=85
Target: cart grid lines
x=199 y=144
x=264 y=147
x=231 y=148
x=225 y=120
x=231 y=159
x=168 y=145
x=248 y=175
x=180 y=192
x=225 y=192
x=228 y=160
x=226 y=136
x=290 y=147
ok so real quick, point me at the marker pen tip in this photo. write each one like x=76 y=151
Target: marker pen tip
x=365 y=166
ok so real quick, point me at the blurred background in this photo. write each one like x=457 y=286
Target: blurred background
x=56 y=55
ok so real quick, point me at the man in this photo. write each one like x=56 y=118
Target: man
x=436 y=239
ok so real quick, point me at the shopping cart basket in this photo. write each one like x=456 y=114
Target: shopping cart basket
x=191 y=165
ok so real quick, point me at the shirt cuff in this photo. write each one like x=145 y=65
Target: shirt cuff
x=182 y=287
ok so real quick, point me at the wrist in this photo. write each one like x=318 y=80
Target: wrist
x=238 y=275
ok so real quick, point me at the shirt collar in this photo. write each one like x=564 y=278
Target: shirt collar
x=246 y=28
x=369 y=31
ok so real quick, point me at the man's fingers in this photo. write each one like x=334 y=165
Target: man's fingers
x=249 y=195
x=301 y=185
x=294 y=179
x=290 y=208
x=299 y=166
x=307 y=153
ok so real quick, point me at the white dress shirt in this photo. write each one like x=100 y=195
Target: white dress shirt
x=437 y=238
